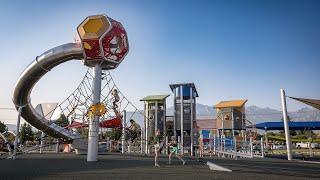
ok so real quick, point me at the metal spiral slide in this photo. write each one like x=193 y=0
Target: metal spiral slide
x=31 y=75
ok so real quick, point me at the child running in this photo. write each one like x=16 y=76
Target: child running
x=157 y=147
x=174 y=150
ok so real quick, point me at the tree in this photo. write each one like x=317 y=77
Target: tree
x=26 y=133
x=3 y=127
x=114 y=134
x=62 y=121
x=37 y=135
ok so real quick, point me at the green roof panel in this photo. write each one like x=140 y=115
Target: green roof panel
x=155 y=98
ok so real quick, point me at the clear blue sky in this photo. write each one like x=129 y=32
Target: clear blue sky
x=229 y=49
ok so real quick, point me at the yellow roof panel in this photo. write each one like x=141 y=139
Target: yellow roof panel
x=233 y=103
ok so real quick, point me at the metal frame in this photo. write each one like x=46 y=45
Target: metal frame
x=181 y=120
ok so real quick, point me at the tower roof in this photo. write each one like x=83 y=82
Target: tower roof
x=233 y=103
x=155 y=97
x=173 y=86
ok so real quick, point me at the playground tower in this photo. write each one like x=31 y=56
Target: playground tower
x=231 y=116
x=184 y=103
x=155 y=116
x=105 y=44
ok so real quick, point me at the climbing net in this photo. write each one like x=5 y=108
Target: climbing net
x=76 y=107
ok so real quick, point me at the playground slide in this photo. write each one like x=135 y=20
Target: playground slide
x=31 y=75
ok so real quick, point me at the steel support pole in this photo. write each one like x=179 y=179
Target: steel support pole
x=222 y=123
x=310 y=149
x=174 y=114
x=262 y=147
x=232 y=117
x=235 y=144
x=224 y=143
x=141 y=141
x=235 y=147
x=41 y=142
x=181 y=127
x=155 y=118
x=57 y=146
x=124 y=118
x=17 y=133
x=165 y=133
x=221 y=142
x=266 y=138
x=165 y=117
x=92 y=154
x=210 y=144
x=286 y=123
x=251 y=147
x=191 y=110
x=147 y=127
x=214 y=144
x=167 y=147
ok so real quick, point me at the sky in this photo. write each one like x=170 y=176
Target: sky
x=229 y=49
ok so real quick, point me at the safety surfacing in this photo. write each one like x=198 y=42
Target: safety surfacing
x=117 y=166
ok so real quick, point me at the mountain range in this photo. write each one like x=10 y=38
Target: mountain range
x=254 y=114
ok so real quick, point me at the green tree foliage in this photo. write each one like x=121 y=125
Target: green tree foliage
x=26 y=133
x=11 y=138
x=62 y=121
x=114 y=134
x=83 y=131
x=3 y=127
x=37 y=135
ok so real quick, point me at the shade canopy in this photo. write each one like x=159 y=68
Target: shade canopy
x=293 y=125
x=311 y=102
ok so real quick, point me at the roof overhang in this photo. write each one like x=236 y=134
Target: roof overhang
x=155 y=97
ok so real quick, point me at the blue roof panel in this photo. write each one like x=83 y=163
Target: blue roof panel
x=293 y=125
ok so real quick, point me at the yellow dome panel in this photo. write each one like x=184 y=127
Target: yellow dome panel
x=93 y=27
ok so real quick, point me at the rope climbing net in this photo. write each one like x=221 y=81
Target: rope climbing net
x=76 y=107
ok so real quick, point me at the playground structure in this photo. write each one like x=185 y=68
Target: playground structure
x=184 y=103
x=97 y=103
x=231 y=116
x=103 y=46
x=155 y=118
